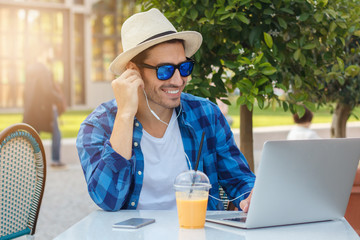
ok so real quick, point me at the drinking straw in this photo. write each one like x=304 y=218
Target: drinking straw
x=197 y=162
x=199 y=152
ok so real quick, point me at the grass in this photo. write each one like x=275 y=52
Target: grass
x=270 y=117
x=71 y=120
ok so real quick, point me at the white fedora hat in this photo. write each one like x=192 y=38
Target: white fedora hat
x=146 y=29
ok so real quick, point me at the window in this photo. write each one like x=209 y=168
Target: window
x=108 y=16
x=79 y=69
x=21 y=31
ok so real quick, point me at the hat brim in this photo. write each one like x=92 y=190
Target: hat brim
x=192 y=42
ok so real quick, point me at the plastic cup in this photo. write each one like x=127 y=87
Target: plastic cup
x=192 y=192
x=192 y=234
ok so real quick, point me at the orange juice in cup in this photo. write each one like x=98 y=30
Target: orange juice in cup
x=192 y=191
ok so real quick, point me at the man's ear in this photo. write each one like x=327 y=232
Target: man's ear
x=132 y=65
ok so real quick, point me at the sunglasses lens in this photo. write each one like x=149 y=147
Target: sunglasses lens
x=186 y=68
x=165 y=72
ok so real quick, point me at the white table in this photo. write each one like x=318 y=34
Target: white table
x=98 y=225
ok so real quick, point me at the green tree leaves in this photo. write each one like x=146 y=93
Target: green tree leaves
x=268 y=40
x=262 y=45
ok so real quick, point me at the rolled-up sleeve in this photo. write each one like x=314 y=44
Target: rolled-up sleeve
x=234 y=172
x=108 y=175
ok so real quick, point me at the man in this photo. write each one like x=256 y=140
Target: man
x=132 y=148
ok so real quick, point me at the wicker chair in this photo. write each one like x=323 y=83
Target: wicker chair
x=225 y=200
x=22 y=180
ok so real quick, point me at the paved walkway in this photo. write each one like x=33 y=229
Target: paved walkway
x=66 y=200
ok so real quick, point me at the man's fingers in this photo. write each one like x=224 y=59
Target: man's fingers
x=244 y=205
x=125 y=89
x=128 y=80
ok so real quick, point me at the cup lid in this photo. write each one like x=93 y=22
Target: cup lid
x=192 y=179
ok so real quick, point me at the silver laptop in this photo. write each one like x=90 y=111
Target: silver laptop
x=299 y=181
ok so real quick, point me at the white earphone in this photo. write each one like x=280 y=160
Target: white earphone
x=155 y=115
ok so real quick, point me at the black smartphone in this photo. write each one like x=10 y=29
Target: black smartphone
x=134 y=223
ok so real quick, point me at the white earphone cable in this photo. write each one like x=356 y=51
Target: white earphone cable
x=229 y=200
x=152 y=112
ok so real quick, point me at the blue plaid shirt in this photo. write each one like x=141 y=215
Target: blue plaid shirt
x=115 y=183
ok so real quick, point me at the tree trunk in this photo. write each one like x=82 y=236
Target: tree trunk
x=246 y=135
x=340 y=117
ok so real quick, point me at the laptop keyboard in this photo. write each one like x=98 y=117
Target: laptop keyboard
x=237 y=219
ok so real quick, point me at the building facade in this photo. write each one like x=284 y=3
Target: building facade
x=81 y=38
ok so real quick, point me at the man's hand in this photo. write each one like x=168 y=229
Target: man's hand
x=245 y=204
x=125 y=89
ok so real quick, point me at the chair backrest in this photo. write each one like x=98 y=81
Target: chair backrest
x=225 y=200
x=22 y=180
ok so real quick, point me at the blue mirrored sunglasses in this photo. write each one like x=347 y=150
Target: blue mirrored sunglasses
x=166 y=71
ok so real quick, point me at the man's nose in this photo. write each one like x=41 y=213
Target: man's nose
x=176 y=79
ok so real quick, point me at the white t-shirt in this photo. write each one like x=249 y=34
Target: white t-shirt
x=298 y=132
x=164 y=159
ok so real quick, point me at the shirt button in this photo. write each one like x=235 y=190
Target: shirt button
x=136 y=144
x=132 y=203
x=137 y=124
x=139 y=172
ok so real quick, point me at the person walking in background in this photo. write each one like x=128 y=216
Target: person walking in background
x=42 y=101
x=302 y=128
